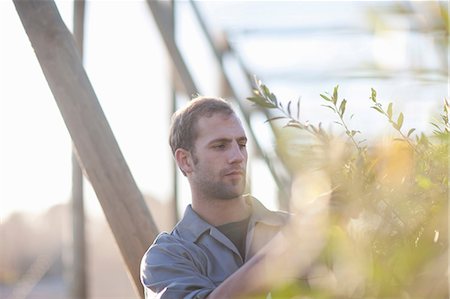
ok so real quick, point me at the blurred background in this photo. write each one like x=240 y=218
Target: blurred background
x=297 y=48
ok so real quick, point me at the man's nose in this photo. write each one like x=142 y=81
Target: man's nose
x=237 y=153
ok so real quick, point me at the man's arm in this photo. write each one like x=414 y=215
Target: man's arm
x=286 y=257
x=168 y=271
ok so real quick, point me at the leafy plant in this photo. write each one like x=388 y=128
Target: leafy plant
x=387 y=236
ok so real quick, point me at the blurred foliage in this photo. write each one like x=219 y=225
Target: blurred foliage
x=388 y=229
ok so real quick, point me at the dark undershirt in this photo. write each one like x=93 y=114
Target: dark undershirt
x=237 y=233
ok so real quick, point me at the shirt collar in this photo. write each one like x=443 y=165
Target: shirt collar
x=261 y=214
x=192 y=226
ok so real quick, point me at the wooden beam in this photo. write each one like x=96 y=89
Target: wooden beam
x=78 y=282
x=162 y=15
x=97 y=150
x=173 y=87
x=78 y=262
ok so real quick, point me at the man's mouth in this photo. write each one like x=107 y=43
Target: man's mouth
x=235 y=172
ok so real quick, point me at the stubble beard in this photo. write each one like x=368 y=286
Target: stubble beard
x=221 y=189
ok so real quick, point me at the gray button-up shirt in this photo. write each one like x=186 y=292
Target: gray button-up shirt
x=196 y=257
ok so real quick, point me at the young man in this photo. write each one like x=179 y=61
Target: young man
x=223 y=228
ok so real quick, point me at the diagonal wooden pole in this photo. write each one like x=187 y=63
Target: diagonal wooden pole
x=162 y=15
x=97 y=150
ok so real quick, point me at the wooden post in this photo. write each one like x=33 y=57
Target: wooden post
x=97 y=150
x=161 y=14
x=173 y=88
x=78 y=275
x=78 y=282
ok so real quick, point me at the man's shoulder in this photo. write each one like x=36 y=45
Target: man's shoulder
x=167 y=245
x=168 y=239
x=262 y=213
x=283 y=215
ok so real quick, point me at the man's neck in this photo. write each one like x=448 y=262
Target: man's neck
x=221 y=211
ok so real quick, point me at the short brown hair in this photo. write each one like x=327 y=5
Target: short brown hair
x=183 y=128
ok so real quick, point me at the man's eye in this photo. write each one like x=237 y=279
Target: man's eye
x=219 y=146
x=242 y=144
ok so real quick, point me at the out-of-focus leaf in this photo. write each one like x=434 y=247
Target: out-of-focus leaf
x=275 y=118
x=423 y=182
x=273 y=98
x=389 y=111
x=400 y=121
x=378 y=109
x=266 y=91
x=325 y=98
x=328 y=106
x=261 y=102
x=373 y=96
x=410 y=132
x=436 y=126
x=436 y=132
x=342 y=107
x=354 y=132
x=335 y=94
x=295 y=125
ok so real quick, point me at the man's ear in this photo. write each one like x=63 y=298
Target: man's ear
x=184 y=160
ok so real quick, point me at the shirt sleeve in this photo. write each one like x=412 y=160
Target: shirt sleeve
x=169 y=271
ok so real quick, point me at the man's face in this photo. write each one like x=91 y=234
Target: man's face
x=220 y=157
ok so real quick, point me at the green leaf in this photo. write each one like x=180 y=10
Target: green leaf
x=373 y=96
x=423 y=182
x=342 y=107
x=389 y=111
x=335 y=94
x=294 y=125
x=325 y=98
x=423 y=139
x=435 y=132
x=273 y=98
x=353 y=133
x=410 y=132
x=255 y=99
x=400 y=121
x=436 y=126
x=328 y=106
x=275 y=118
x=265 y=90
x=261 y=102
x=378 y=109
